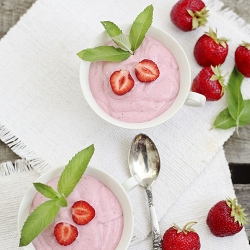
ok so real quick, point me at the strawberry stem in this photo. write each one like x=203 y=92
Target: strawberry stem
x=218 y=76
x=187 y=227
x=213 y=34
x=245 y=44
x=237 y=212
x=199 y=18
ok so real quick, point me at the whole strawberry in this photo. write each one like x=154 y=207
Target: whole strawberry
x=226 y=218
x=210 y=50
x=242 y=58
x=210 y=83
x=177 y=239
x=188 y=15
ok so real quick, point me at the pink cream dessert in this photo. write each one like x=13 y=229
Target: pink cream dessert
x=145 y=101
x=103 y=232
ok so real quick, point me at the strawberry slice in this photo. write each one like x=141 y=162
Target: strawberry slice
x=146 y=71
x=82 y=212
x=65 y=233
x=121 y=82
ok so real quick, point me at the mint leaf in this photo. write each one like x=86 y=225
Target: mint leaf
x=245 y=114
x=38 y=220
x=140 y=27
x=112 y=29
x=123 y=42
x=74 y=171
x=235 y=100
x=117 y=36
x=224 y=120
x=104 y=53
x=45 y=190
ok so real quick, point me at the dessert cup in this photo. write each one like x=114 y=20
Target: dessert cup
x=108 y=180
x=185 y=96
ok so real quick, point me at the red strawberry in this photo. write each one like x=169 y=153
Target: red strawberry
x=226 y=218
x=121 y=82
x=188 y=15
x=146 y=71
x=177 y=239
x=65 y=233
x=82 y=212
x=242 y=59
x=210 y=50
x=210 y=83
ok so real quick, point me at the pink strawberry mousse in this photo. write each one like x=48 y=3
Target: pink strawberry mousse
x=102 y=233
x=145 y=101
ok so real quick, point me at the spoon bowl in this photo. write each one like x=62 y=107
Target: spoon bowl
x=144 y=160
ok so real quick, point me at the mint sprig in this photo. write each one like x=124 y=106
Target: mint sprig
x=44 y=214
x=237 y=112
x=245 y=115
x=235 y=100
x=127 y=45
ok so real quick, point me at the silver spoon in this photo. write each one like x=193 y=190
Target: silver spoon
x=144 y=161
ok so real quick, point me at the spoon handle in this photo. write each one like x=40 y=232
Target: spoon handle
x=154 y=221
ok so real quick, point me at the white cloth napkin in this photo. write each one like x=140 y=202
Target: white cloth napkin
x=46 y=119
x=211 y=185
x=194 y=204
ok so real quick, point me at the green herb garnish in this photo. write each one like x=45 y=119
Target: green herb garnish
x=127 y=45
x=140 y=27
x=44 y=214
x=117 y=36
x=104 y=53
x=238 y=110
x=38 y=220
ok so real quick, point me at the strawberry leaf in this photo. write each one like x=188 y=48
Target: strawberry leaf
x=140 y=27
x=38 y=220
x=224 y=120
x=104 y=53
x=45 y=190
x=74 y=170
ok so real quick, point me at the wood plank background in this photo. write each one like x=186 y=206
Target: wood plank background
x=237 y=148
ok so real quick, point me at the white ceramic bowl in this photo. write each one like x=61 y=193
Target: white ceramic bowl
x=185 y=79
x=108 y=180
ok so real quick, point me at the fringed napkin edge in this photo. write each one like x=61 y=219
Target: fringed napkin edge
x=29 y=159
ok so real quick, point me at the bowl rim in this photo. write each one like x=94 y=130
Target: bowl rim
x=185 y=78
x=107 y=179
